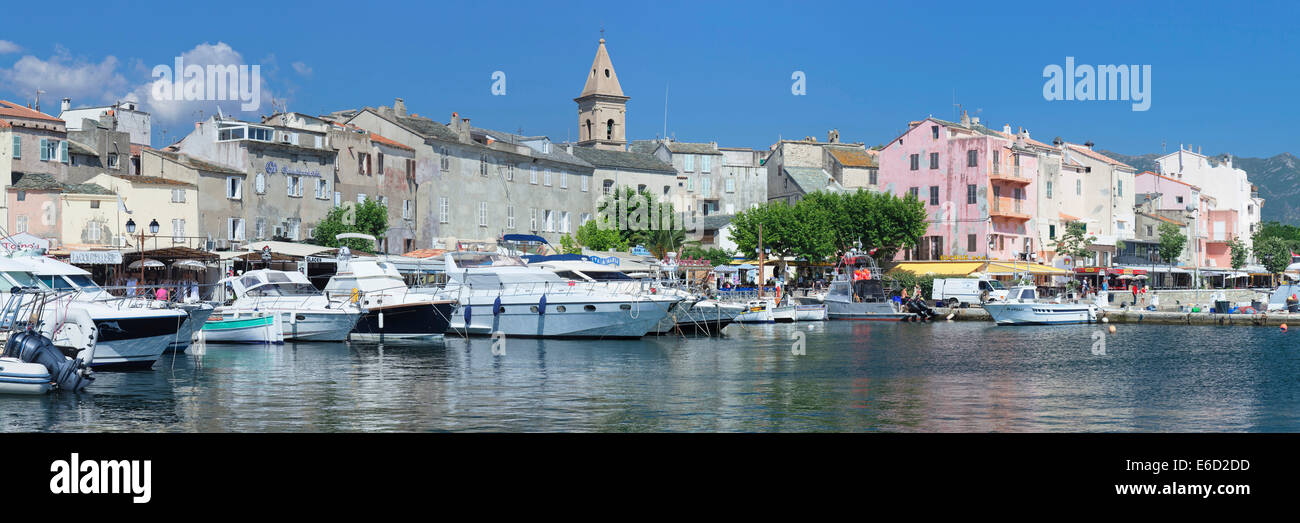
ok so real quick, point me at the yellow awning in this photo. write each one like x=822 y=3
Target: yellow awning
x=940 y=268
x=1026 y=268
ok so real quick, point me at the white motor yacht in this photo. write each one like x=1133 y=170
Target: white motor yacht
x=498 y=292
x=390 y=311
x=304 y=313
x=125 y=336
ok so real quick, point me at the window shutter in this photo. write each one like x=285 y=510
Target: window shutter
x=18 y=147
x=63 y=151
x=45 y=152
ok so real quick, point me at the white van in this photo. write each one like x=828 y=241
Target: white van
x=955 y=291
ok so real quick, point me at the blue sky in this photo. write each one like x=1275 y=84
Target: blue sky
x=1223 y=75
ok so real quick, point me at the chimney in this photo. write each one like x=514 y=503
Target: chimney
x=1006 y=128
x=975 y=121
x=1057 y=141
x=399 y=107
x=67 y=104
x=1088 y=144
x=965 y=119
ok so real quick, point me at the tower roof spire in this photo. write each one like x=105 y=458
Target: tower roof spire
x=601 y=79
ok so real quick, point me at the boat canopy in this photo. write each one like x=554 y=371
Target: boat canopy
x=522 y=238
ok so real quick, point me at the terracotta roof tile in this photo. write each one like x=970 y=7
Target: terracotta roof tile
x=375 y=137
x=852 y=157
x=11 y=109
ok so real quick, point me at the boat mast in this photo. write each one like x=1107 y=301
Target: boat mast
x=760 y=260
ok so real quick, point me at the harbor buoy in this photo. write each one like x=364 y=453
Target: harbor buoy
x=1283 y=327
x=1105 y=319
x=1112 y=329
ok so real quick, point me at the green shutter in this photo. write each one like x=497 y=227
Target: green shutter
x=63 y=151
x=45 y=153
x=18 y=147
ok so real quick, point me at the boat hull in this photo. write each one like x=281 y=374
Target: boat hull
x=198 y=315
x=810 y=312
x=18 y=377
x=870 y=311
x=408 y=321
x=608 y=320
x=256 y=329
x=1040 y=313
x=133 y=343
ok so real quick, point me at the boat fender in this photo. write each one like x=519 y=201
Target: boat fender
x=541 y=305
x=468 y=307
x=496 y=307
x=381 y=320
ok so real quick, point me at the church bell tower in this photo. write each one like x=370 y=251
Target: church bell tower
x=602 y=108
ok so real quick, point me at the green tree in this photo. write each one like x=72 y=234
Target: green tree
x=1274 y=253
x=568 y=245
x=639 y=219
x=369 y=217
x=1074 y=241
x=1172 y=242
x=1289 y=233
x=1239 y=253
x=592 y=236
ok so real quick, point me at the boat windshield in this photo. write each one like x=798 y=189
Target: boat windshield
x=284 y=289
x=607 y=275
x=996 y=285
x=21 y=279
x=55 y=282
x=83 y=281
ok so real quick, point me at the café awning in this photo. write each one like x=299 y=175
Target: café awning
x=941 y=268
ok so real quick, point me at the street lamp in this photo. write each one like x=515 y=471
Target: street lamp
x=153 y=230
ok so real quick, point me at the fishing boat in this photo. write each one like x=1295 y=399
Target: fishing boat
x=810 y=312
x=496 y=292
x=858 y=293
x=257 y=328
x=1023 y=308
x=758 y=311
x=304 y=313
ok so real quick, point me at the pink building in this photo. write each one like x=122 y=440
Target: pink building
x=1175 y=194
x=976 y=184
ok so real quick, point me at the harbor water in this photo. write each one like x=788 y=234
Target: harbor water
x=851 y=376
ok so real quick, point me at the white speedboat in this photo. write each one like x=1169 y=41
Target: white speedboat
x=1023 y=308
x=498 y=292
x=257 y=328
x=685 y=316
x=128 y=333
x=30 y=362
x=304 y=313
x=389 y=310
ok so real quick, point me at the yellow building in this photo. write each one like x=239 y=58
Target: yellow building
x=174 y=204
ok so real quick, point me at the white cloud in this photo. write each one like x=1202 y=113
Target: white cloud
x=302 y=68
x=170 y=112
x=64 y=76
x=7 y=47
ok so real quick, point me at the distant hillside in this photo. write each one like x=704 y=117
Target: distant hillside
x=1278 y=179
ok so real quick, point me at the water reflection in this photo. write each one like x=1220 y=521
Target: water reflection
x=854 y=376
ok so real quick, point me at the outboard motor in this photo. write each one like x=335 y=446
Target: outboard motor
x=923 y=310
x=32 y=347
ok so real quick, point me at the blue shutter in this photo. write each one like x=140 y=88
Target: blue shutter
x=18 y=147
x=45 y=153
x=63 y=151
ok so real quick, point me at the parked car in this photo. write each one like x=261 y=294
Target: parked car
x=956 y=291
